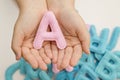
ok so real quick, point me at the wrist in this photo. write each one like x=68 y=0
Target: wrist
x=58 y=5
x=32 y=6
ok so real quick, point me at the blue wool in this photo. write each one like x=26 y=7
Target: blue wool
x=61 y=76
x=27 y=77
x=114 y=38
x=99 y=56
x=92 y=61
x=98 y=44
x=44 y=76
x=22 y=67
x=100 y=64
x=70 y=75
x=31 y=73
x=11 y=70
x=104 y=34
x=49 y=71
x=107 y=67
x=86 y=72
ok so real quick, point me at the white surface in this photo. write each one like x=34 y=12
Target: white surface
x=102 y=13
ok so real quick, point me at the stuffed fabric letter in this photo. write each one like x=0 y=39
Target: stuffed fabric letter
x=54 y=35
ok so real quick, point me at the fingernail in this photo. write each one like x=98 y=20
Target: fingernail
x=17 y=57
x=88 y=52
x=69 y=68
x=55 y=69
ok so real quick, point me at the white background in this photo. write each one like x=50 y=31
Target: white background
x=102 y=13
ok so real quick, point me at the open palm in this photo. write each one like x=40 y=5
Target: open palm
x=22 y=43
x=76 y=35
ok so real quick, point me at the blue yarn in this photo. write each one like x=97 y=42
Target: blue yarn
x=87 y=73
x=117 y=53
x=61 y=76
x=91 y=61
x=32 y=73
x=80 y=77
x=27 y=77
x=11 y=70
x=44 y=76
x=98 y=44
x=101 y=64
x=107 y=67
x=93 y=31
x=114 y=38
x=22 y=67
x=49 y=71
x=104 y=34
x=70 y=75
x=99 y=56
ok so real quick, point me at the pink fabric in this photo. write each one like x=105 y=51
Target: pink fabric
x=69 y=68
x=54 y=35
x=55 y=69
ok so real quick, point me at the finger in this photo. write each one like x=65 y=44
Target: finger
x=54 y=52
x=76 y=55
x=84 y=38
x=17 y=41
x=55 y=69
x=60 y=58
x=41 y=63
x=85 y=46
x=67 y=57
x=44 y=57
x=29 y=57
x=82 y=32
x=48 y=51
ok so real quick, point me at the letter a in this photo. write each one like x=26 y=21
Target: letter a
x=54 y=35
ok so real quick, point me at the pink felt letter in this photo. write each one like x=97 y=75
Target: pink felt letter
x=54 y=35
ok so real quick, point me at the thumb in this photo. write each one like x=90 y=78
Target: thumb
x=84 y=38
x=17 y=41
x=82 y=33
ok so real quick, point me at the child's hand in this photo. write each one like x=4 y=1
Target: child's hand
x=25 y=28
x=74 y=30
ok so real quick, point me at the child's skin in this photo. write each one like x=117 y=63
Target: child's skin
x=72 y=25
